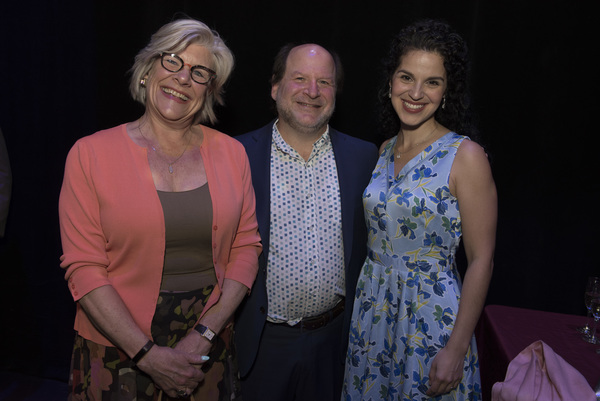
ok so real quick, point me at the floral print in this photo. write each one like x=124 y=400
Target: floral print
x=409 y=289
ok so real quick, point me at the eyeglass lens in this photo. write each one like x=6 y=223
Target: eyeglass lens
x=174 y=63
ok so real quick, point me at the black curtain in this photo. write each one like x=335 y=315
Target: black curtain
x=64 y=71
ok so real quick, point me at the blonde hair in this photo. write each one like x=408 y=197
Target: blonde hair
x=175 y=37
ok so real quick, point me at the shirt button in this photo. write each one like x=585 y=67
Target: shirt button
x=215 y=227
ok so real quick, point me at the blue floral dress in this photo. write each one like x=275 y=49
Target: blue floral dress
x=409 y=289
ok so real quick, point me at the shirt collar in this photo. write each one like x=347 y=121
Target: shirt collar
x=282 y=145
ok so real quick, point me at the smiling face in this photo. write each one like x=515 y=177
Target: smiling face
x=173 y=96
x=418 y=86
x=305 y=96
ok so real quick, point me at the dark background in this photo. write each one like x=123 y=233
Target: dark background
x=64 y=75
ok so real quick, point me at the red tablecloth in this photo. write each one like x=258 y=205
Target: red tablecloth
x=505 y=331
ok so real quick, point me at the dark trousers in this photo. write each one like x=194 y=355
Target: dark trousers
x=297 y=365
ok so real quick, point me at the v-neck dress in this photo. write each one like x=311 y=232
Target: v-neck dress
x=408 y=291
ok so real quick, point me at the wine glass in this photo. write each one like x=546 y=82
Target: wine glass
x=592 y=287
x=595 y=306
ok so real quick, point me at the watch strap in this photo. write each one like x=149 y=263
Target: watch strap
x=205 y=332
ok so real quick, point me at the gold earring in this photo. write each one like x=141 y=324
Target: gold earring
x=143 y=82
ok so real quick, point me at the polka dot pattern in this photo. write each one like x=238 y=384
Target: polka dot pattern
x=305 y=269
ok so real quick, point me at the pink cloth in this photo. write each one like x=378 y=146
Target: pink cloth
x=539 y=374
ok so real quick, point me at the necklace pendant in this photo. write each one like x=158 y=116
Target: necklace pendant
x=170 y=169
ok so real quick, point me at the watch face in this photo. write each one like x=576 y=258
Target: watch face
x=206 y=332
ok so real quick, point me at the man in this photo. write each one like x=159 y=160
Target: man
x=292 y=331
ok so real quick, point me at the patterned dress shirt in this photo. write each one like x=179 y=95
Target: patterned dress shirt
x=305 y=267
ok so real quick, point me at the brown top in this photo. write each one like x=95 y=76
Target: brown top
x=188 y=263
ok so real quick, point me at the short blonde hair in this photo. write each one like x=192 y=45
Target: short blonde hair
x=175 y=37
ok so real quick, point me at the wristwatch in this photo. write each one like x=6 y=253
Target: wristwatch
x=205 y=332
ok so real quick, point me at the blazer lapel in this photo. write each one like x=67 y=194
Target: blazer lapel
x=343 y=163
x=259 y=154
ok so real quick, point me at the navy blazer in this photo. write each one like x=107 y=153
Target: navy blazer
x=355 y=160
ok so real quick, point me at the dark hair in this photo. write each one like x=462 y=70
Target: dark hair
x=439 y=37
x=281 y=62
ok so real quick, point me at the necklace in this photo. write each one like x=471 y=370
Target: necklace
x=170 y=167
x=399 y=154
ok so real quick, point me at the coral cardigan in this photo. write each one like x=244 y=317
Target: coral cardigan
x=112 y=223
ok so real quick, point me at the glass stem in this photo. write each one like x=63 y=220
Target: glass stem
x=587 y=322
x=593 y=338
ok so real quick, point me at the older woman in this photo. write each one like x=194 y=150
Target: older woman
x=159 y=234
x=412 y=326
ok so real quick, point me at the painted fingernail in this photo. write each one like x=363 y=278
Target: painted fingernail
x=205 y=358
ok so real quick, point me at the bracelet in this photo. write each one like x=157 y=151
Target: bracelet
x=142 y=352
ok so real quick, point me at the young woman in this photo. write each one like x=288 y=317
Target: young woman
x=412 y=327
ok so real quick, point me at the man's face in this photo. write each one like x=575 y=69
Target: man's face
x=305 y=96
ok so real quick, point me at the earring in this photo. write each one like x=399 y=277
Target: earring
x=443 y=102
x=390 y=92
x=143 y=82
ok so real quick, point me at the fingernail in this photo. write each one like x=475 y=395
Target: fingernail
x=205 y=357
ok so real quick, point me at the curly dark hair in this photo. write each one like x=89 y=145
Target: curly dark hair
x=439 y=37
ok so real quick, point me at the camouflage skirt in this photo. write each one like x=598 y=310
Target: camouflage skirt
x=102 y=373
